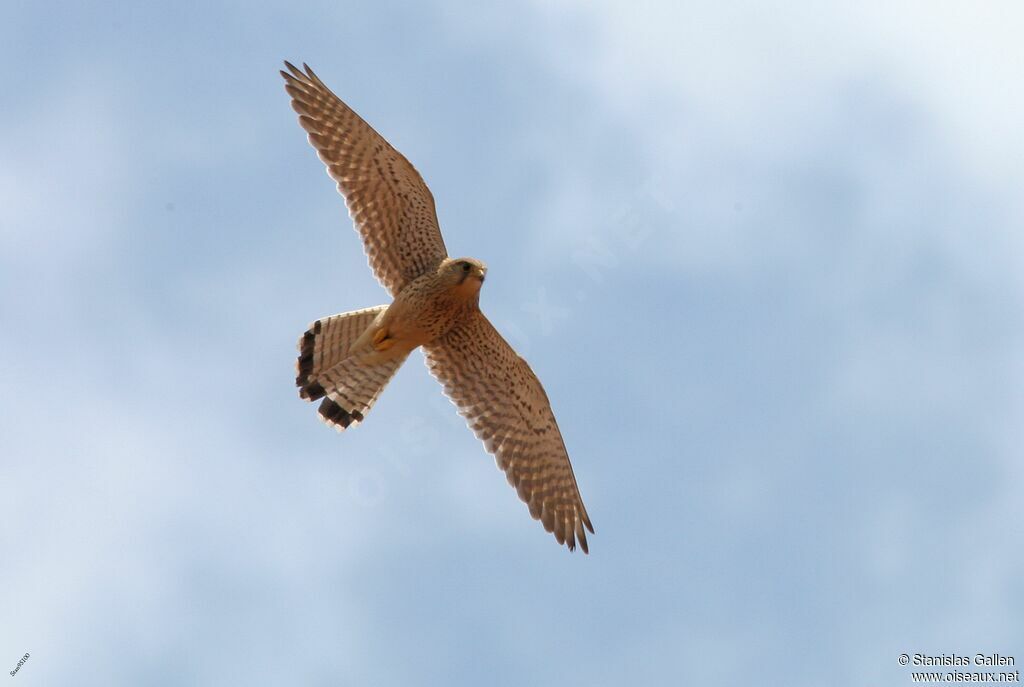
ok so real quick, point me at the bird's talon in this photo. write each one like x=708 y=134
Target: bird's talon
x=382 y=340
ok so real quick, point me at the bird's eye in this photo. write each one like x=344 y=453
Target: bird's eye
x=465 y=267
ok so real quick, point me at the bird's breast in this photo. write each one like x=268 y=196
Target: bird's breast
x=419 y=316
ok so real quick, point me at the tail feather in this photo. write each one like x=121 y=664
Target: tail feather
x=328 y=342
x=352 y=387
x=329 y=369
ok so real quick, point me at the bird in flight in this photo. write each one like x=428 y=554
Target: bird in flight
x=346 y=360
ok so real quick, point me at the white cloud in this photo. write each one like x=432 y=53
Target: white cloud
x=727 y=103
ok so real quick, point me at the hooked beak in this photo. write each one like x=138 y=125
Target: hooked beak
x=480 y=273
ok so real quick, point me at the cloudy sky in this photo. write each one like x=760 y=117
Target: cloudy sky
x=766 y=258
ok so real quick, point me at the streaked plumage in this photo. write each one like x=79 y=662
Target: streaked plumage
x=346 y=360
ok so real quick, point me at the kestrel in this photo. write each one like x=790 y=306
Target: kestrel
x=346 y=360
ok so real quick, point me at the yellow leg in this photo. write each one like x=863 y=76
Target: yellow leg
x=382 y=341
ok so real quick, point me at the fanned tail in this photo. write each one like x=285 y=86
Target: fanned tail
x=328 y=369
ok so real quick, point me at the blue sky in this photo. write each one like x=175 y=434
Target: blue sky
x=766 y=260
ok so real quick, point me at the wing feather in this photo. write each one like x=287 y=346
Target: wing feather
x=390 y=204
x=506 y=407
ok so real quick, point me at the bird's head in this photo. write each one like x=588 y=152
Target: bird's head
x=464 y=275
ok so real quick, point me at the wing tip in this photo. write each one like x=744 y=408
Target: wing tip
x=291 y=76
x=304 y=75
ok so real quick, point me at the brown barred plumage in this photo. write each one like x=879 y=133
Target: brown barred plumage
x=506 y=407
x=327 y=342
x=389 y=203
x=346 y=360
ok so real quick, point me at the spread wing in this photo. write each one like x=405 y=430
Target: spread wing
x=505 y=405
x=391 y=206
